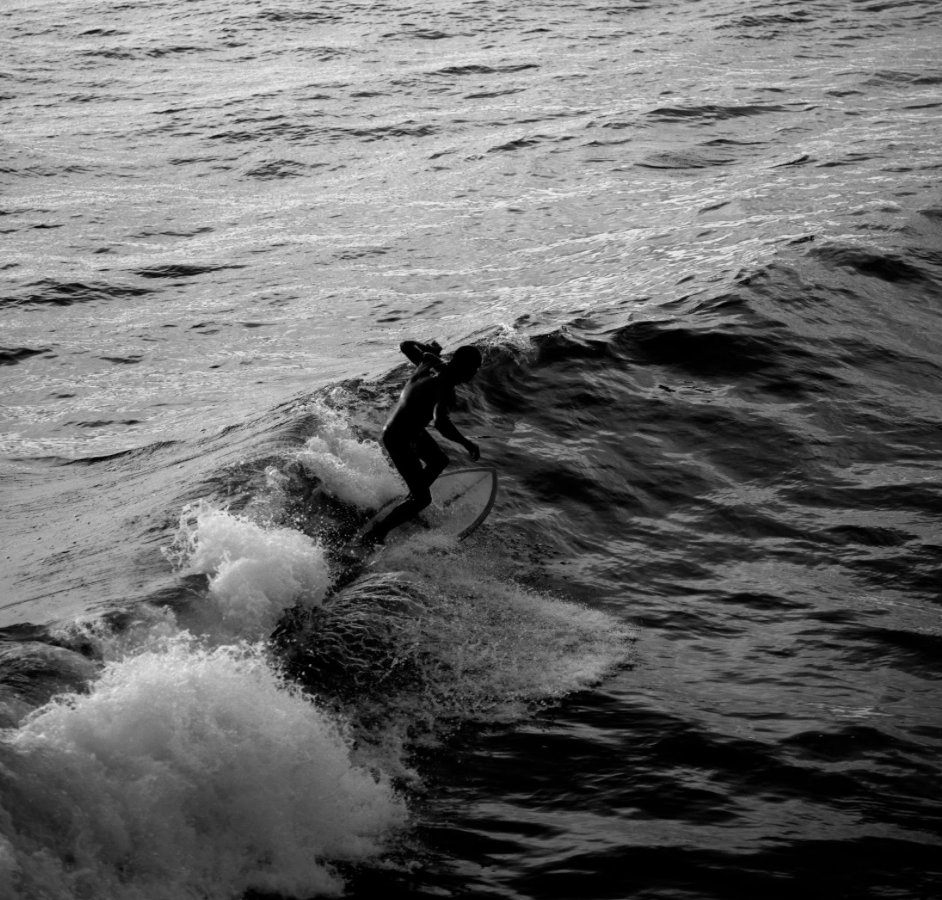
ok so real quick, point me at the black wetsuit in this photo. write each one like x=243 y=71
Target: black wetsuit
x=415 y=454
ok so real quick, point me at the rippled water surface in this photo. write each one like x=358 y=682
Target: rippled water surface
x=693 y=652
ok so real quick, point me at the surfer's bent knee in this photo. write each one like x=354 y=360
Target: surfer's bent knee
x=436 y=467
x=421 y=497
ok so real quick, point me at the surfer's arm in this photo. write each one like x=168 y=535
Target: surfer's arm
x=446 y=428
x=418 y=353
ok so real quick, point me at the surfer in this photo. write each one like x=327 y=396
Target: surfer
x=427 y=396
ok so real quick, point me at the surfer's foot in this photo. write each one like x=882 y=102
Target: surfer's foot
x=371 y=538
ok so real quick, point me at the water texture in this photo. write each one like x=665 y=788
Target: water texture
x=694 y=652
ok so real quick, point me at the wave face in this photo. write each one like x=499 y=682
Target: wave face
x=694 y=649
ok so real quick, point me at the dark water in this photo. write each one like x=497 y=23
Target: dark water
x=694 y=651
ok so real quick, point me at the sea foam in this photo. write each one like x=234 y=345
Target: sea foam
x=185 y=772
x=351 y=469
x=255 y=572
x=431 y=637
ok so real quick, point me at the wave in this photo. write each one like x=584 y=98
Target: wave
x=204 y=766
x=887 y=266
x=10 y=356
x=480 y=69
x=183 y=270
x=712 y=112
x=123 y=457
x=254 y=573
x=33 y=670
x=678 y=453
x=186 y=773
x=67 y=293
x=414 y=653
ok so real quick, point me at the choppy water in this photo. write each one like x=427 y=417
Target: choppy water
x=695 y=650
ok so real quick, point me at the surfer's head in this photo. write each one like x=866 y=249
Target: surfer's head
x=464 y=364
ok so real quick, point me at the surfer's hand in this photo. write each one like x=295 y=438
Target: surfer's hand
x=474 y=451
x=434 y=347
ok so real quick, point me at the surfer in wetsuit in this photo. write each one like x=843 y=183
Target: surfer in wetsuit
x=428 y=394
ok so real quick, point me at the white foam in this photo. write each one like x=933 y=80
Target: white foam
x=185 y=773
x=255 y=572
x=451 y=640
x=351 y=469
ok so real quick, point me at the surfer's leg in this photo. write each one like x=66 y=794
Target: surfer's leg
x=433 y=456
x=405 y=457
x=408 y=459
x=405 y=511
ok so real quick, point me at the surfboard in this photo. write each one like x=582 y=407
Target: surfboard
x=461 y=501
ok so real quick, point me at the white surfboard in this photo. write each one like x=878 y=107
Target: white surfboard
x=461 y=500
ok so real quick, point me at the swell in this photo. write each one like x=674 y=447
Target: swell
x=657 y=467
x=37 y=665
x=761 y=411
x=50 y=292
x=53 y=292
x=10 y=356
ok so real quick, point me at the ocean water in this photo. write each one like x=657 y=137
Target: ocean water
x=696 y=649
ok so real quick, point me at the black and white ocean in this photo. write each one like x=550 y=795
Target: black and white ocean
x=696 y=649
